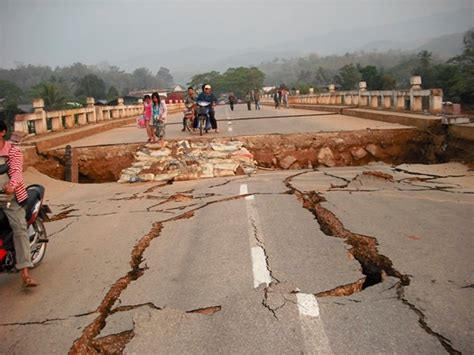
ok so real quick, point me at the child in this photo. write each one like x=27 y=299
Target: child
x=159 y=111
x=147 y=115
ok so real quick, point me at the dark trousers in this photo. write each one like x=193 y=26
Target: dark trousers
x=249 y=106
x=212 y=116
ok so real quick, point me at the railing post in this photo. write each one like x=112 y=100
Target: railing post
x=40 y=122
x=374 y=100
x=91 y=114
x=362 y=89
x=387 y=102
x=71 y=166
x=332 y=94
x=436 y=101
x=416 y=101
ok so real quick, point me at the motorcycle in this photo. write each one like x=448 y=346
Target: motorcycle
x=203 y=111
x=36 y=213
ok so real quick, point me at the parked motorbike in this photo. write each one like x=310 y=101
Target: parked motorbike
x=204 y=117
x=35 y=214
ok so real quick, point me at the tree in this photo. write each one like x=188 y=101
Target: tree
x=165 y=79
x=91 y=86
x=348 y=77
x=425 y=68
x=50 y=93
x=10 y=91
x=212 y=78
x=112 y=93
x=142 y=78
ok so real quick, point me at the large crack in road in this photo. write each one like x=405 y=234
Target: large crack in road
x=375 y=266
x=88 y=343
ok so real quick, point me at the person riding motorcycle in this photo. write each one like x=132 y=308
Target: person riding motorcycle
x=207 y=96
x=14 y=196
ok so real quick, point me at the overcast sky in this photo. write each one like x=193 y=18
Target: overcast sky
x=62 y=32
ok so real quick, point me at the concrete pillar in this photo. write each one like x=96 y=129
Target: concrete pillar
x=56 y=123
x=362 y=99
x=82 y=118
x=436 y=101
x=348 y=99
x=374 y=101
x=70 y=120
x=400 y=103
x=21 y=124
x=120 y=101
x=40 y=122
x=311 y=91
x=415 y=82
x=355 y=100
x=416 y=101
x=297 y=92
x=71 y=165
x=387 y=102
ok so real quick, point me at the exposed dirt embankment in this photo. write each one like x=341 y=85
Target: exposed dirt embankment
x=296 y=151
x=292 y=151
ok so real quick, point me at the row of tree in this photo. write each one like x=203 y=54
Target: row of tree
x=237 y=80
x=76 y=82
x=381 y=71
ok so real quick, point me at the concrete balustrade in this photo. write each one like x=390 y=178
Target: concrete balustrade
x=42 y=121
x=395 y=100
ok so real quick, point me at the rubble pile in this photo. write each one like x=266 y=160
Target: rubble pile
x=184 y=160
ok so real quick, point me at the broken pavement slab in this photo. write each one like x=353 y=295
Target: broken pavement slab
x=189 y=161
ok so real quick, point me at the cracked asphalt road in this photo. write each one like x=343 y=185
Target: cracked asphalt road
x=189 y=286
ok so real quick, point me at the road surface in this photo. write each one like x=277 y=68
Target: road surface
x=271 y=263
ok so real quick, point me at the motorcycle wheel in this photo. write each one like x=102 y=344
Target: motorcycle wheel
x=201 y=125
x=38 y=249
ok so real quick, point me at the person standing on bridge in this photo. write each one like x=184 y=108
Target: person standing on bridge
x=190 y=104
x=276 y=99
x=12 y=184
x=159 y=111
x=207 y=96
x=147 y=116
x=248 y=100
x=256 y=97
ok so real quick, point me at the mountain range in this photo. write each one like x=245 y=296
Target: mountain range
x=440 y=34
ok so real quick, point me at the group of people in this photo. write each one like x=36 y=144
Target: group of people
x=280 y=97
x=154 y=115
x=191 y=113
x=253 y=96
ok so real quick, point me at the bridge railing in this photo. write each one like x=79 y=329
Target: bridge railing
x=414 y=99
x=42 y=121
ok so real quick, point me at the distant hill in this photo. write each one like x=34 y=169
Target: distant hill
x=446 y=46
x=426 y=32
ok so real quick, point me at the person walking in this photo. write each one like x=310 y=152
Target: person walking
x=160 y=112
x=190 y=104
x=285 y=97
x=232 y=101
x=256 y=97
x=276 y=100
x=248 y=100
x=147 y=113
x=12 y=184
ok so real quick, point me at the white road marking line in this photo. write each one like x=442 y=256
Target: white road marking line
x=307 y=304
x=259 y=267
x=229 y=129
x=261 y=273
x=244 y=191
x=314 y=335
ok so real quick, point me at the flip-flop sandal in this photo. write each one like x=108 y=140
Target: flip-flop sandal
x=29 y=282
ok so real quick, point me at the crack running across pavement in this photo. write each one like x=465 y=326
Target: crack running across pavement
x=364 y=249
